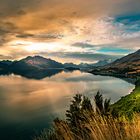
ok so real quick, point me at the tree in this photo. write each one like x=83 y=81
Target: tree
x=79 y=105
x=102 y=106
x=99 y=102
x=106 y=106
x=86 y=104
x=73 y=114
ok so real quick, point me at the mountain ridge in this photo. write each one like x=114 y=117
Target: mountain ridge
x=40 y=62
x=128 y=65
x=37 y=62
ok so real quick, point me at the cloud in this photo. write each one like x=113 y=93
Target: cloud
x=7 y=29
x=42 y=36
x=79 y=56
x=83 y=26
x=53 y=14
x=90 y=56
x=83 y=45
x=5 y=57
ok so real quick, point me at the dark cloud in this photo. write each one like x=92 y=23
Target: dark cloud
x=5 y=57
x=21 y=12
x=83 y=45
x=7 y=29
x=10 y=8
x=40 y=37
x=24 y=35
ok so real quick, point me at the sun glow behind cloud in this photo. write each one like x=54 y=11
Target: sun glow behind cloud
x=34 y=47
x=50 y=47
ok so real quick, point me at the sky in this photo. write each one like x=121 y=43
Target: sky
x=69 y=30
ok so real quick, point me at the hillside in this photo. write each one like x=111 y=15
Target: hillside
x=129 y=104
x=131 y=61
x=127 y=66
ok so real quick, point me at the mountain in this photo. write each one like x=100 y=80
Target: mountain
x=103 y=62
x=35 y=63
x=76 y=66
x=4 y=67
x=70 y=65
x=130 y=62
x=89 y=65
x=128 y=65
x=131 y=59
x=5 y=64
x=36 y=67
x=85 y=65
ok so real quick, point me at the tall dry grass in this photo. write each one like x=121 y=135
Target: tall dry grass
x=95 y=127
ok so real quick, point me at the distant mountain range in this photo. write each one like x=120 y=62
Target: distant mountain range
x=87 y=65
x=41 y=63
x=38 y=66
x=128 y=65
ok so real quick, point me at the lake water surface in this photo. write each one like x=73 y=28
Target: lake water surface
x=27 y=106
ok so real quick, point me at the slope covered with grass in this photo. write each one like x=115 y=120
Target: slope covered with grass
x=129 y=104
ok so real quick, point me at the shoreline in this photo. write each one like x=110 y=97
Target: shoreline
x=130 y=79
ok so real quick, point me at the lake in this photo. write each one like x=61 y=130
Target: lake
x=27 y=106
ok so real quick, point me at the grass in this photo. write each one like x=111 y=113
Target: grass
x=129 y=104
x=95 y=127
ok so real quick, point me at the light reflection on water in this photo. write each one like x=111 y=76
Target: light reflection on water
x=28 y=105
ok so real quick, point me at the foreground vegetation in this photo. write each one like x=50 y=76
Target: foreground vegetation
x=100 y=121
x=129 y=104
x=95 y=128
